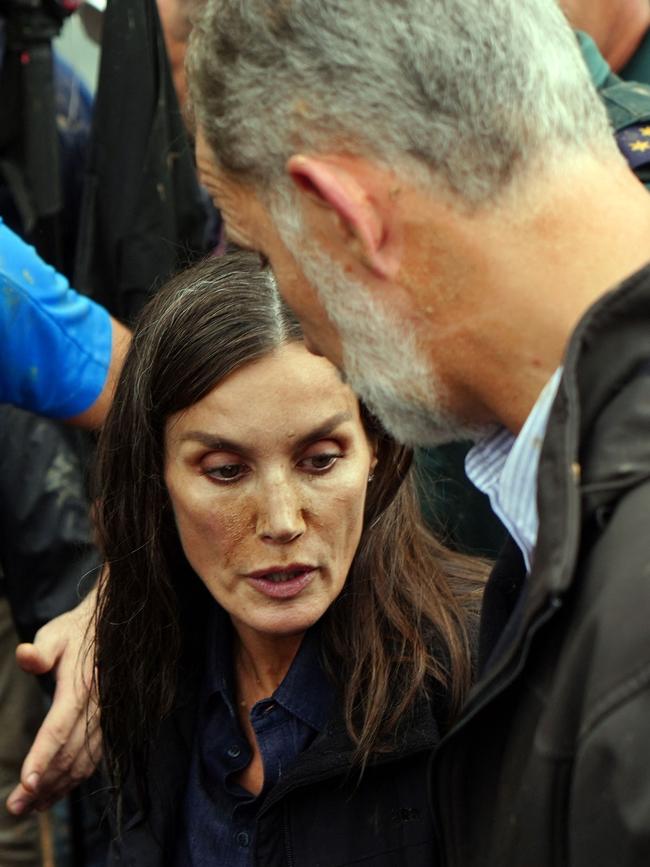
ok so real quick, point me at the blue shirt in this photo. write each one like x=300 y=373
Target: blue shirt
x=505 y=468
x=55 y=343
x=219 y=815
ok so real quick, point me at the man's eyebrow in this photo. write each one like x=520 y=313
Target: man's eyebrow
x=217 y=443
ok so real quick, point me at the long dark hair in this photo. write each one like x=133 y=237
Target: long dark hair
x=405 y=617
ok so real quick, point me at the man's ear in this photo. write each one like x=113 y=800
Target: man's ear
x=331 y=184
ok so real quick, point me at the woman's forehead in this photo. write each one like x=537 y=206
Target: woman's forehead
x=289 y=391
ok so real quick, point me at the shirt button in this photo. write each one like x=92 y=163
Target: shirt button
x=234 y=752
x=242 y=839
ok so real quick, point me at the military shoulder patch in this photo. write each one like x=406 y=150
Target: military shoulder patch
x=634 y=143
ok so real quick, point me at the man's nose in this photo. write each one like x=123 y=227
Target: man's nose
x=281 y=512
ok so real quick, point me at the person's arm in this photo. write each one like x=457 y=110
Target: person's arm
x=94 y=416
x=62 y=351
x=62 y=355
x=67 y=747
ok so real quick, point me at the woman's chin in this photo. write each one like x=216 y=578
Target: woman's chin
x=278 y=624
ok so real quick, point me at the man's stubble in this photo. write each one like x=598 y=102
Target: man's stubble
x=382 y=360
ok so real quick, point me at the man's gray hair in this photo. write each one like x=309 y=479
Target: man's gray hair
x=474 y=91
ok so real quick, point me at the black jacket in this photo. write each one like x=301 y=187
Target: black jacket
x=550 y=763
x=46 y=538
x=318 y=815
x=143 y=216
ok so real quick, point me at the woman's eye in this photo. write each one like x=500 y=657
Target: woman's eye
x=227 y=473
x=320 y=462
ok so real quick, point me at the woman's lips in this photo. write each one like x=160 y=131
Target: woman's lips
x=286 y=588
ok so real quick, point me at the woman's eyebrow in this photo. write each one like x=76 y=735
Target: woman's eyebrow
x=217 y=443
x=324 y=429
x=212 y=441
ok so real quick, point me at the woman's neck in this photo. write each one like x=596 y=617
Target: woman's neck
x=261 y=661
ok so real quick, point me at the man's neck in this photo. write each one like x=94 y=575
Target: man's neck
x=525 y=275
x=593 y=233
x=626 y=31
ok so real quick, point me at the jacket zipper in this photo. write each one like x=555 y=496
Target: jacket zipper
x=514 y=666
x=506 y=678
x=288 y=848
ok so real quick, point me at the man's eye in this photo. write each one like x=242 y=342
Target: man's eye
x=320 y=462
x=264 y=260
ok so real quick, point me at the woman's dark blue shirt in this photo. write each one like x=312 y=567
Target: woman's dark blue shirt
x=218 y=815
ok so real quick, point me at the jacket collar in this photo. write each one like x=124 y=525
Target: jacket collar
x=332 y=752
x=607 y=352
x=602 y=403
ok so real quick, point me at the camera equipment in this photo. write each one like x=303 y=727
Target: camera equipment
x=55 y=9
x=29 y=144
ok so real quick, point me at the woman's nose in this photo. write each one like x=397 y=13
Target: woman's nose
x=280 y=513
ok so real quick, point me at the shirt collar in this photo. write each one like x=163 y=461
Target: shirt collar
x=219 y=661
x=305 y=692
x=505 y=468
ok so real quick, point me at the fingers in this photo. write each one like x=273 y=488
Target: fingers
x=59 y=757
x=60 y=737
x=36 y=660
x=68 y=631
x=51 y=738
x=20 y=800
x=74 y=762
x=66 y=774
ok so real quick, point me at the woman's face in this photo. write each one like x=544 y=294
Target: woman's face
x=267 y=476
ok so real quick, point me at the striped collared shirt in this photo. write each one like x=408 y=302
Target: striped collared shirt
x=505 y=468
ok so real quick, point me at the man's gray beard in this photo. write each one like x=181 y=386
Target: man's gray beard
x=381 y=359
